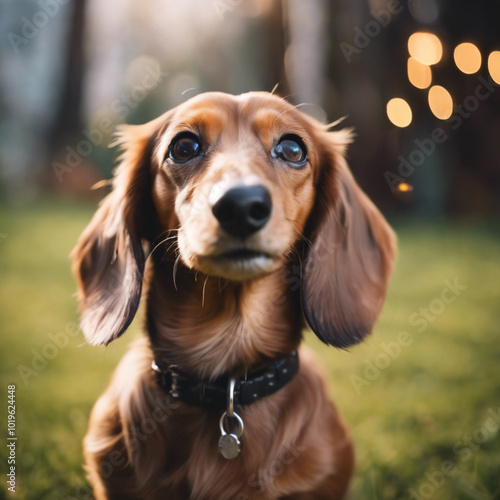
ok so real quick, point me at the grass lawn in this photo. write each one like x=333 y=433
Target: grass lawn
x=421 y=396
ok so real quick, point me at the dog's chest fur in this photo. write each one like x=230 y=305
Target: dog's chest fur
x=209 y=326
x=175 y=445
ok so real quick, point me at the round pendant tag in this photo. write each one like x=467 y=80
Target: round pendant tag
x=229 y=446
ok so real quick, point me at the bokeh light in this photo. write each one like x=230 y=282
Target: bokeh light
x=404 y=187
x=467 y=58
x=419 y=74
x=399 y=112
x=426 y=48
x=440 y=102
x=424 y=11
x=494 y=66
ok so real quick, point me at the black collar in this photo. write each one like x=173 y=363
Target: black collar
x=213 y=395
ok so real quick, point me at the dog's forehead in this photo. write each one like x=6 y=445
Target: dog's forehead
x=219 y=111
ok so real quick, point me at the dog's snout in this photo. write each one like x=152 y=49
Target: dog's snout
x=243 y=210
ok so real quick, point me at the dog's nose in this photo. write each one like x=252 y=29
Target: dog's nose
x=243 y=210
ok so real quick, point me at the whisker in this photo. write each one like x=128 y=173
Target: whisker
x=174 y=270
x=203 y=293
x=166 y=254
x=168 y=231
x=296 y=107
x=302 y=104
x=188 y=90
x=161 y=243
x=170 y=246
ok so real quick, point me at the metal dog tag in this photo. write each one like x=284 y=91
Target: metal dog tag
x=230 y=444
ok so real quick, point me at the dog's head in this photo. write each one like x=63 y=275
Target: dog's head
x=241 y=183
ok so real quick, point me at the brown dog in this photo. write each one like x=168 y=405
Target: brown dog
x=253 y=222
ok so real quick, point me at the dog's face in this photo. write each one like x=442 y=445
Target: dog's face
x=237 y=182
x=235 y=176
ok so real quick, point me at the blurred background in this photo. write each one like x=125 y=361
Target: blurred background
x=418 y=80
x=73 y=69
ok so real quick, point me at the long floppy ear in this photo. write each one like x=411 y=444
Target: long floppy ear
x=348 y=265
x=108 y=260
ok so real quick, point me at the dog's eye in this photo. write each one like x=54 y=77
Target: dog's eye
x=183 y=148
x=291 y=149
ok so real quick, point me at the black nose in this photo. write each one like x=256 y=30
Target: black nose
x=243 y=210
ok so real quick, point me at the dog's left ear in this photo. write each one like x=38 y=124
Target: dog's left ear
x=352 y=252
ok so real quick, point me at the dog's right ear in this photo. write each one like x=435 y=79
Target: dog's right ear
x=108 y=260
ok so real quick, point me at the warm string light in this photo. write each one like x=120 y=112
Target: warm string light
x=494 y=66
x=404 y=187
x=467 y=58
x=419 y=74
x=426 y=48
x=399 y=112
x=440 y=102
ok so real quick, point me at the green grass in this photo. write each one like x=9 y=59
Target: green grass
x=408 y=419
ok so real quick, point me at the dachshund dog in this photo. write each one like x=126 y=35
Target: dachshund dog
x=253 y=225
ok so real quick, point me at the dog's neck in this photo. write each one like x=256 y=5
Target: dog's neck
x=208 y=326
